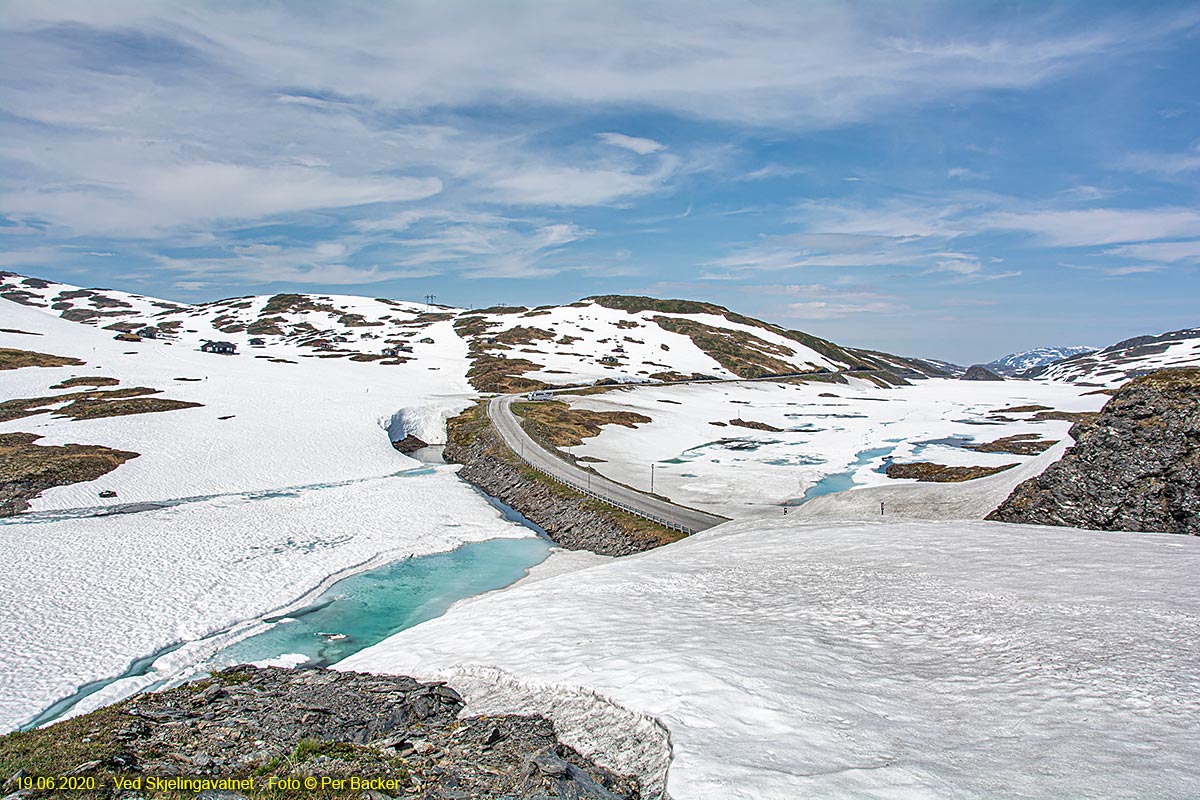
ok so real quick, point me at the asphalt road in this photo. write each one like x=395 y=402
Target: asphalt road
x=506 y=424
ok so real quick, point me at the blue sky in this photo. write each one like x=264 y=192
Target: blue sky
x=953 y=180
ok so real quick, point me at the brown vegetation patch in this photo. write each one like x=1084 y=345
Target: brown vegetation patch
x=11 y=358
x=566 y=340
x=743 y=354
x=73 y=383
x=28 y=469
x=940 y=473
x=18 y=330
x=468 y=326
x=1020 y=409
x=557 y=424
x=491 y=374
x=23 y=297
x=92 y=405
x=758 y=426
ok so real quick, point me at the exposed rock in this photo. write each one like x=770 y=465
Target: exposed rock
x=409 y=444
x=280 y=723
x=1135 y=467
x=940 y=473
x=978 y=372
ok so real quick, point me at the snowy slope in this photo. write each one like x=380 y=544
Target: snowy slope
x=1124 y=360
x=897 y=660
x=1013 y=363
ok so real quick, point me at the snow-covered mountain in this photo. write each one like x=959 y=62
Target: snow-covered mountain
x=1124 y=360
x=617 y=338
x=1013 y=363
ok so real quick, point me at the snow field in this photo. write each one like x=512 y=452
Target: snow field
x=83 y=597
x=874 y=660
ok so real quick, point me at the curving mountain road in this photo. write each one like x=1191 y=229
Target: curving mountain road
x=662 y=511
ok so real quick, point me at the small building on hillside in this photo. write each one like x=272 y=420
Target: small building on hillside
x=148 y=332
x=609 y=360
x=257 y=341
x=127 y=337
x=222 y=348
x=390 y=352
x=427 y=340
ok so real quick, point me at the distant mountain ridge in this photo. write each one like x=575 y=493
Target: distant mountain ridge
x=1014 y=363
x=1131 y=358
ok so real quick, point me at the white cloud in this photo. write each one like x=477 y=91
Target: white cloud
x=1160 y=251
x=1099 y=226
x=822 y=309
x=638 y=145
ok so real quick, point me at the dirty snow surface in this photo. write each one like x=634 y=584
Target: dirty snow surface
x=869 y=660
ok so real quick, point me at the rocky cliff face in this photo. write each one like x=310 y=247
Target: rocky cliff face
x=1136 y=467
x=573 y=522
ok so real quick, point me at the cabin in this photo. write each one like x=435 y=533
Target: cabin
x=500 y=355
x=257 y=341
x=427 y=340
x=148 y=332
x=493 y=340
x=127 y=337
x=222 y=348
x=390 y=352
x=541 y=394
x=609 y=360
x=618 y=349
x=404 y=348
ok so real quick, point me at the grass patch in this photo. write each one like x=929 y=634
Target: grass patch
x=11 y=358
x=27 y=469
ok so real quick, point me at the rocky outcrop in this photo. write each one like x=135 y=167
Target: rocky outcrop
x=1136 y=467
x=409 y=444
x=573 y=521
x=978 y=372
x=270 y=725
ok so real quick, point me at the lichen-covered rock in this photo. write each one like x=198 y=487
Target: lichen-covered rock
x=1136 y=467
x=273 y=725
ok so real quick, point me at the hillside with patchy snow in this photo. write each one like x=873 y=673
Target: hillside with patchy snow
x=613 y=338
x=1124 y=360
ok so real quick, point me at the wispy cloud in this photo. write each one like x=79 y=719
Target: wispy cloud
x=638 y=145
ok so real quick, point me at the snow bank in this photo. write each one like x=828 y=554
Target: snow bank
x=873 y=660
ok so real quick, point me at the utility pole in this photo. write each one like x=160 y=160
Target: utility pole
x=652 y=478
x=429 y=298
